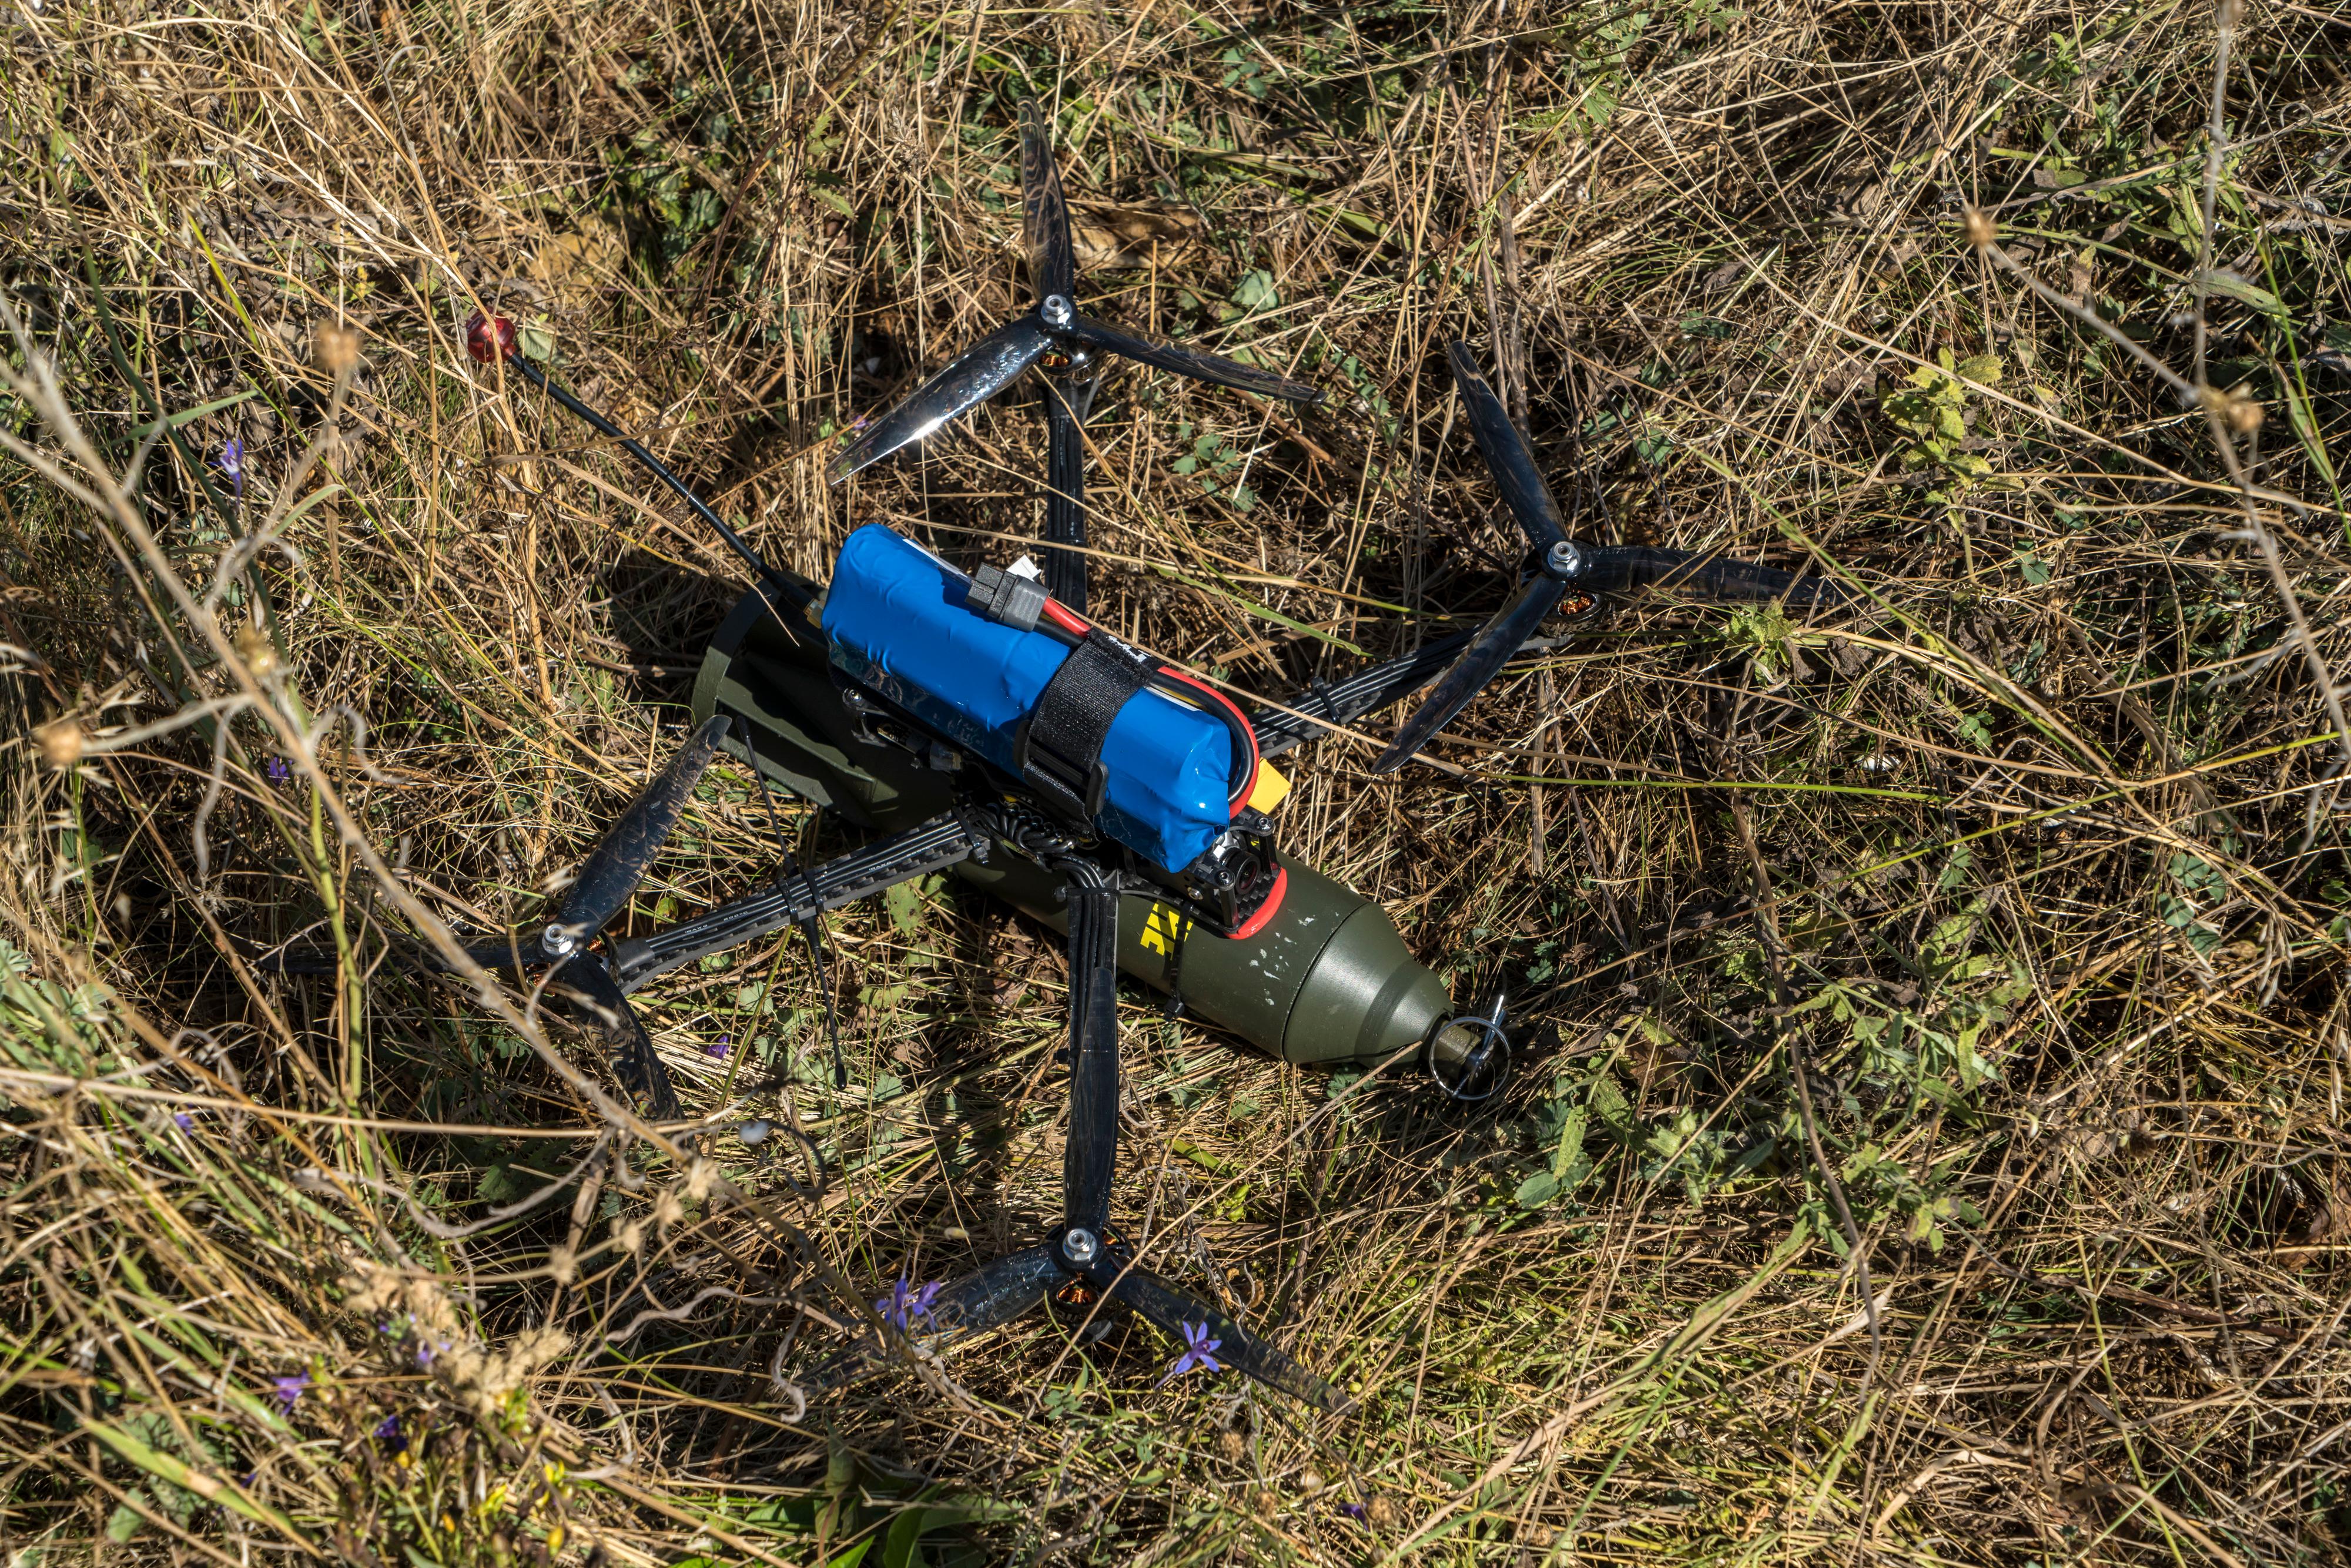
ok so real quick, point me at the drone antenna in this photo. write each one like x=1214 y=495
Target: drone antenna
x=784 y=872
x=494 y=337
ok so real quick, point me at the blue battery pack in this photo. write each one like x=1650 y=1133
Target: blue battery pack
x=896 y=621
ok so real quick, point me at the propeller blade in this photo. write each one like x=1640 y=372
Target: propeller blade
x=993 y=1293
x=592 y=996
x=1065 y=496
x=613 y=868
x=1486 y=653
x=1505 y=452
x=1090 y=1158
x=1172 y=1310
x=984 y=369
x=1201 y=367
x=1617 y=568
x=1044 y=215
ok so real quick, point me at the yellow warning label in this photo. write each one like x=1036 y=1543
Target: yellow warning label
x=1269 y=788
x=1163 y=929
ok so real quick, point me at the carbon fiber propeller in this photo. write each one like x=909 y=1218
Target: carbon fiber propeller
x=1560 y=563
x=1054 y=328
x=1083 y=1258
x=583 y=986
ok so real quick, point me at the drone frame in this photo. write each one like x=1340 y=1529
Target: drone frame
x=1085 y=1256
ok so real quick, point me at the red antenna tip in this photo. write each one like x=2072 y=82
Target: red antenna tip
x=489 y=338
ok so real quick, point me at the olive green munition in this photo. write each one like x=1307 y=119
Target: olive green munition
x=1326 y=979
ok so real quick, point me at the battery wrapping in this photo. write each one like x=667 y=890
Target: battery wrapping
x=895 y=620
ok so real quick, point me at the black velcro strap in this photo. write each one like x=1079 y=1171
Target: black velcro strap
x=1060 y=746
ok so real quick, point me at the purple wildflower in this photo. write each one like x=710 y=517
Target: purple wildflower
x=719 y=1046
x=1352 y=1510
x=389 y=1434
x=289 y=1389
x=232 y=463
x=903 y=1305
x=277 y=770
x=185 y=1122
x=1197 y=1347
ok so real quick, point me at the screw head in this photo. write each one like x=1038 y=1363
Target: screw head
x=1080 y=1245
x=1563 y=560
x=1056 y=310
x=558 y=942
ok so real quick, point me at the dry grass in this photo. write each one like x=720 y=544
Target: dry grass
x=2048 y=851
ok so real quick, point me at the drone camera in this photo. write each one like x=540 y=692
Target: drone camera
x=1236 y=883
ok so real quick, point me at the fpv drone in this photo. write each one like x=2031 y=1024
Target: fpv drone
x=982 y=724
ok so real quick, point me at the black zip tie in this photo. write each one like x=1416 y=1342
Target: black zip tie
x=789 y=868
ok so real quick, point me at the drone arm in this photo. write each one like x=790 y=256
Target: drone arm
x=934 y=846
x=1091 y=1155
x=1342 y=702
x=1065 y=495
x=1487 y=653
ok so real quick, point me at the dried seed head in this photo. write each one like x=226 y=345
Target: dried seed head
x=629 y=1236
x=667 y=1210
x=2241 y=413
x=336 y=348
x=61 y=742
x=259 y=653
x=1977 y=228
x=1380 y=1513
x=698 y=1177
x=563 y=1264
x=1234 y=1446
x=1310 y=1482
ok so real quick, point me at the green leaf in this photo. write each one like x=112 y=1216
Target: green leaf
x=905 y=906
x=156 y=427
x=125 y=1520
x=2036 y=570
x=1255 y=291
x=2221 y=281
x=164 y=1468
x=1537 y=1189
x=1983 y=368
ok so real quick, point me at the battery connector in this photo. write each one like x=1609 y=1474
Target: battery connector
x=1007 y=597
